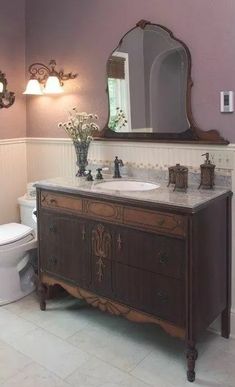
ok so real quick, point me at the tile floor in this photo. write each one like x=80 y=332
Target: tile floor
x=72 y=344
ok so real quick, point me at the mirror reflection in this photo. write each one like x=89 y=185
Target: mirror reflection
x=147 y=83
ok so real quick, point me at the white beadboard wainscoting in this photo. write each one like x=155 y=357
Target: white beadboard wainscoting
x=51 y=157
x=48 y=157
x=13 y=177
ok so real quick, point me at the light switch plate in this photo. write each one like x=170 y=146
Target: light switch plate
x=226 y=101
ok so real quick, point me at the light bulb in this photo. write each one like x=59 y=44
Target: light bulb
x=33 y=87
x=53 y=85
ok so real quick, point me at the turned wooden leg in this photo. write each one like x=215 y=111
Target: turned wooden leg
x=225 y=323
x=191 y=355
x=42 y=291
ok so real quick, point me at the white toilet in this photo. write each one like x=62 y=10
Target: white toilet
x=17 y=277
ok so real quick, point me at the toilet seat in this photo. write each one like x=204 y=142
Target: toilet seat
x=14 y=234
x=18 y=243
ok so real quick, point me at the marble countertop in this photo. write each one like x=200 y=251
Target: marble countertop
x=192 y=199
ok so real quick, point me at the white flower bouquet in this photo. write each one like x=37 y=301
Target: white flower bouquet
x=80 y=125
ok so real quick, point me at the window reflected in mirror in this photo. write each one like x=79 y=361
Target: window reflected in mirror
x=119 y=92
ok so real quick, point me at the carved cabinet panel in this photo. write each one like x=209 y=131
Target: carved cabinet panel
x=102 y=253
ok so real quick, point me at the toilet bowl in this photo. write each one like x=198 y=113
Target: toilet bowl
x=17 y=241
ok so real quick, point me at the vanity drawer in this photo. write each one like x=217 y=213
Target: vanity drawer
x=152 y=293
x=66 y=202
x=149 y=251
x=162 y=222
x=149 y=220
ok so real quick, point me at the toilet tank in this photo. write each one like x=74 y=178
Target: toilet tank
x=27 y=205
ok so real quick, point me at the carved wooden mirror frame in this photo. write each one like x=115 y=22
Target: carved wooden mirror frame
x=192 y=135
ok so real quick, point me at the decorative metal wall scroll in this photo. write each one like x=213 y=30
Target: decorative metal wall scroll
x=41 y=72
x=7 y=98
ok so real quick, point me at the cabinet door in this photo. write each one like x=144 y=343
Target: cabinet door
x=63 y=247
x=101 y=243
x=149 y=251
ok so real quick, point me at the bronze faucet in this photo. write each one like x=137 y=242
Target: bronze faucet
x=117 y=163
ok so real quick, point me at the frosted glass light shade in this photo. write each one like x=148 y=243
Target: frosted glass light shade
x=1 y=87
x=53 y=85
x=33 y=87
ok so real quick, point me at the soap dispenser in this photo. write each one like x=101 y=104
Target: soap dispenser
x=207 y=173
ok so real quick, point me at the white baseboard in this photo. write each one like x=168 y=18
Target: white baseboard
x=216 y=326
x=233 y=324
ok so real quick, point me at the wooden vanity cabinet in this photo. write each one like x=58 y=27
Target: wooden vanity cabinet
x=147 y=262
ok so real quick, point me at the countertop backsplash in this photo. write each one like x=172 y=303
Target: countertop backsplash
x=223 y=177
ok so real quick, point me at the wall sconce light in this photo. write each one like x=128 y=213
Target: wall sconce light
x=7 y=98
x=45 y=79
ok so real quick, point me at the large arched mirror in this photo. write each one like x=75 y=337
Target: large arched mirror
x=149 y=89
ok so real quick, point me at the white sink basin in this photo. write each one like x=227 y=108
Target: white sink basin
x=126 y=185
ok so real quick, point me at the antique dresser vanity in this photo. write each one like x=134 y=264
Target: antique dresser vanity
x=160 y=256
x=150 y=257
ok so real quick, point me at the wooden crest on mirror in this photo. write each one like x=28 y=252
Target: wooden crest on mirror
x=149 y=89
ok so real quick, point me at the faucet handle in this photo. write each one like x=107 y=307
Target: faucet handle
x=89 y=176
x=118 y=161
x=99 y=175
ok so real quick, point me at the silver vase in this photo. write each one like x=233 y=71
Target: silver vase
x=81 y=148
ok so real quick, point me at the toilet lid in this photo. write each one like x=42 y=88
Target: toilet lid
x=11 y=232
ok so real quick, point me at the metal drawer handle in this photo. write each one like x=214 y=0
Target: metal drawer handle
x=119 y=242
x=162 y=296
x=53 y=261
x=83 y=233
x=163 y=258
x=52 y=228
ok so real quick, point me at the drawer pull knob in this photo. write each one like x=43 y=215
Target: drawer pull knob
x=53 y=261
x=162 y=296
x=53 y=201
x=52 y=228
x=163 y=258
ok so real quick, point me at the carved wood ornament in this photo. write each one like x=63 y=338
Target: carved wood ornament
x=101 y=248
x=115 y=308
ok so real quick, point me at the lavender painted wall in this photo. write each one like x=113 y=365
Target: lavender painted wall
x=12 y=62
x=80 y=35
